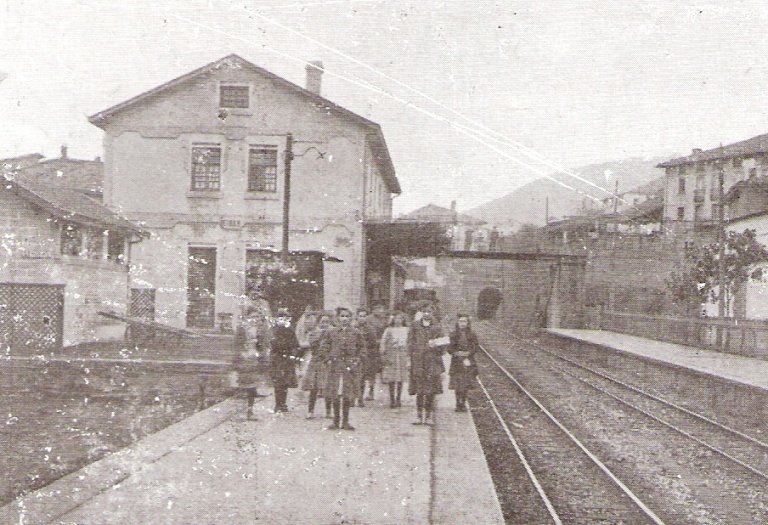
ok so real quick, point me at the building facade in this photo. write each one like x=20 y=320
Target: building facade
x=692 y=190
x=203 y=162
x=63 y=258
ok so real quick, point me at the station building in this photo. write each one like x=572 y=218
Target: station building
x=228 y=165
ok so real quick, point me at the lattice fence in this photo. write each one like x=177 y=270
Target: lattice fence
x=31 y=317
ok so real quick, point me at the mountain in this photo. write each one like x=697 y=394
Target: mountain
x=527 y=204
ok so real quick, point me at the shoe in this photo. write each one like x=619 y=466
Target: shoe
x=347 y=426
x=397 y=404
x=369 y=398
x=310 y=416
x=361 y=404
x=333 y=426
x=328 y=415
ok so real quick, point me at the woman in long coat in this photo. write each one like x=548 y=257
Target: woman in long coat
x=345 y=345
x=394 y=356
x=283 y=359
x=464 y=346
x=315 y=376
x=246 y=363
x=427 y=367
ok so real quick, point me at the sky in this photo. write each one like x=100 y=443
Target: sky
x=475 y=98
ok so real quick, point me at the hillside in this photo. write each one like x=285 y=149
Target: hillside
x=527 y=204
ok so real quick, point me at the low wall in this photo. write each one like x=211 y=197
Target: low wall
x=728 y=402
x=98 y=377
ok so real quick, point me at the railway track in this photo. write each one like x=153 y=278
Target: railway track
x=574 y=486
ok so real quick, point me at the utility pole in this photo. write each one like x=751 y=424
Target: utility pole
x=287 y=194
x=721 y=236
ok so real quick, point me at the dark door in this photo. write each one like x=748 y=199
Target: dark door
x=31 y=318
x=201 y=288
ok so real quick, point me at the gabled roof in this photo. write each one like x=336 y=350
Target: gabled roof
x=17 y=163
x=434 y=213
x=379 y=145
x=69 y=204
x=85 y=176
x=746 y=148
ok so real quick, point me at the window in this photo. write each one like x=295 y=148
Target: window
x=71 y=239
x=94 y=244
x=737 y=162
x=115 y=247
x=716 y=211
x=234 y=97
x=262 y=168
x=206 y=167
x=701 y=167
x=681 y=213
x=697 y=210
x=681 y=185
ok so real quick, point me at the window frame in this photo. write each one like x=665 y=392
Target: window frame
x=209 y=183
x=251 y=184
x=235 y=110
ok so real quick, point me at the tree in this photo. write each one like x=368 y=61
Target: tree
x=699 y=282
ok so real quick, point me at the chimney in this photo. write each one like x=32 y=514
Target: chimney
x=453 y=206
x=314 y=74
x=697 y=151
x=63 y=151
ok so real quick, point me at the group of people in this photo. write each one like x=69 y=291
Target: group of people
x=341 y=354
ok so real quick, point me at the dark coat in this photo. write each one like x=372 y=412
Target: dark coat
x=371 y=358
x=344 y=347
x=426 y=363
x=283 y=360
x=462 y=375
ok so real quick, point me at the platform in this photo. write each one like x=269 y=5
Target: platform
x=218 y=467
x=740 y=369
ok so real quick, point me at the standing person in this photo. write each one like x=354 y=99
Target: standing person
x=245 y=363
x=464 y=346
x=304 y=326
x=394 y=357
x=425 y=340
x=282 y=363
x=371 y=360
x=345 y=346
x=315 y=375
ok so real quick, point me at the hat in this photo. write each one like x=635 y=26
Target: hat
x=283 y=312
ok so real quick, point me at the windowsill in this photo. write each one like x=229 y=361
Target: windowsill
x=261 y=196
x=204 y=194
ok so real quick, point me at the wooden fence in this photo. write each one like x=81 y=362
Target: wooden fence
x=735 y=336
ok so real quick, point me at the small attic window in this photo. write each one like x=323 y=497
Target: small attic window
x=234 y=97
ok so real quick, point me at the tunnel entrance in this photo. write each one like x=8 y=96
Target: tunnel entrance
x=488 y=301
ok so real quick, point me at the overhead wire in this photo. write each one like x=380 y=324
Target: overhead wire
x=506 y=140
x=461 y=128
x=471 y=133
